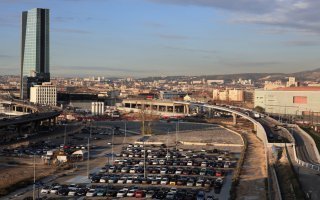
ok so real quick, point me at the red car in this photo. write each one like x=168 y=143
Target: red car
x=139 y=194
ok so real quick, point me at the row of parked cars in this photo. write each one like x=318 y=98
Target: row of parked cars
x=121 y=192
x=190 y=181
x=163 y=170
x=176 y=162
x=138 y=151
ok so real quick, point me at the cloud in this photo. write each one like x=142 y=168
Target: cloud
x=296 y=15
x=154 y=24
x=252 y=6
x=301 y=43
x=293 y=15
x=67 y=30
x=250 y=64
x=191 y=49
x=98 y=68
x=172 y=37
x=5 y=56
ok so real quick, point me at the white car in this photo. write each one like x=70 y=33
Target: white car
x=132 y=171
x=141 y=163
x=131 y=193
x=55 y=189
x=162 y=162
x=91 y=193
x=189 y=163
x=204 y=164
x=124 y=170
x=164 y=181
x=121 y=193
x=130 y=180
x=163 y=171
x=178 y=171
x=72 y=192
x=173 y=190
x=112 y=169
x=45 y=190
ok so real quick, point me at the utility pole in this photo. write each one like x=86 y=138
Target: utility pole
x=88 y=159
x=144 y=162
x=167 y=145
x=125 y=132
x=34 y=176
x=177 y=130
x=65 y=134
x=112 y=143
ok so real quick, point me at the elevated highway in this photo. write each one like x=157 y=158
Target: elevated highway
x=29 y=118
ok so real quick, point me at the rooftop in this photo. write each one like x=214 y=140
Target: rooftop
x=314 y=88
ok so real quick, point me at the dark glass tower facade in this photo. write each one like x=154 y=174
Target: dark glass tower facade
x=34 y=49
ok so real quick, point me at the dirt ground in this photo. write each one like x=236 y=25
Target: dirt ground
x=253 y=173
x=21 y=170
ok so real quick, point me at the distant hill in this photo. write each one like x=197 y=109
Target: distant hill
x=312 y=75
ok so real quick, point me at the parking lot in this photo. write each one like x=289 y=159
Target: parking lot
x=163 y=171
x=158 y=172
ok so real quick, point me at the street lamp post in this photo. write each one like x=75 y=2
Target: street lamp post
x=177 y=130
x=88 y=159
x=125 y=132
x=144 y=162
x=112 y=143
x=34 y=176
x=167 y=145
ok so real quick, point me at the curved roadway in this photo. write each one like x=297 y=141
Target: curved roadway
x=28 y=118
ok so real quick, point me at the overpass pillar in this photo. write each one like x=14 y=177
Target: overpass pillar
x=50 y=121
x=234 y=116
x=166 y=108
x=173 y=108
x=54 y=121
x=130 y=105
x=158 y=108
x=197 y=109
x=209 y=113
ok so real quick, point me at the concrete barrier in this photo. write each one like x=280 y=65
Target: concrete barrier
x=211 y=143
x=300 y=162
x=314 y=146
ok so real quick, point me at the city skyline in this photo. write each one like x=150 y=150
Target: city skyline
x=151 y=37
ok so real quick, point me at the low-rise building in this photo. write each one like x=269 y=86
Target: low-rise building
x=172 y=95
x=228 y=95
x=45 y=94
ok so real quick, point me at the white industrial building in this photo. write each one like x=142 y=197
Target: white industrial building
x=289 y=100
x=97 y=108
x=228 y=95
x=45 y=94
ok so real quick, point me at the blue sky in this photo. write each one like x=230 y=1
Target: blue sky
x=169 y=37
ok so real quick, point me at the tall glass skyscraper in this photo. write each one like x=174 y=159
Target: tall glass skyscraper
x=34 y=49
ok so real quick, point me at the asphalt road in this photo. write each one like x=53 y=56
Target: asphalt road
x=278 y=136
x=304 y=148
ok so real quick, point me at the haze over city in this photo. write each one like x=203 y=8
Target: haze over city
x=159 y=99
x=168 y=37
